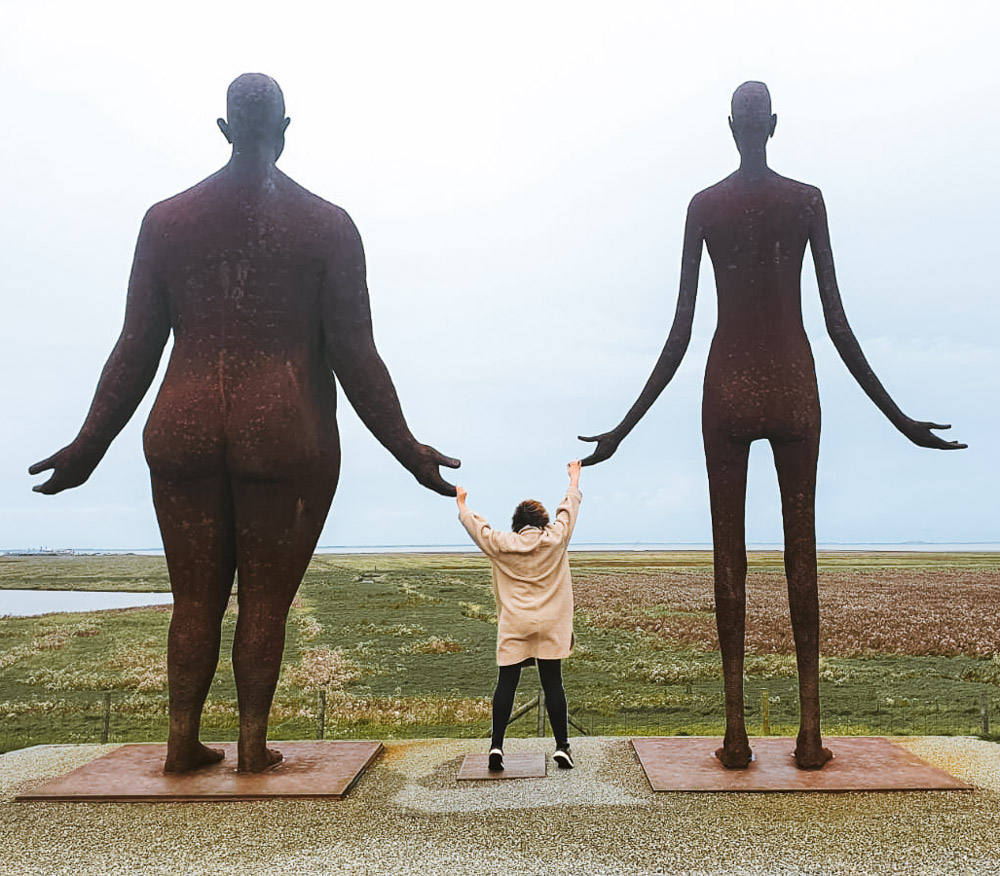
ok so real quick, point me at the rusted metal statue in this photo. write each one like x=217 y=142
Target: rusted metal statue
x=263 y=286
x=760 y=383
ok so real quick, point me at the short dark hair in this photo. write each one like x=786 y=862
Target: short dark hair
x=529 y=513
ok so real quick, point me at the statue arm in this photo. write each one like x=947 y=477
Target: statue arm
x=919 y=432
x=351 y=353
x=673 y=350
x=126 y=377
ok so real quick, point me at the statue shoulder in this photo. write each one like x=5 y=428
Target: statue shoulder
x=180 y=207
x=323 y=213
x=298 y=192
x=326 y=222
x=710 y=197
x=156 y=224
x=702 y=201
x=804 y=193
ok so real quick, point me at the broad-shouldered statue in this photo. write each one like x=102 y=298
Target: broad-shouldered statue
x=760 y=383
x=263 y=286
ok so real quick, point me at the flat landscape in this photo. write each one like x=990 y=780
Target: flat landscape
x=401 y=645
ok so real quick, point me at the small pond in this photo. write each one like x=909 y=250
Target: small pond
x=28 y=603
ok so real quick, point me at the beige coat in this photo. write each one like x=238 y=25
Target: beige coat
x=531 y=583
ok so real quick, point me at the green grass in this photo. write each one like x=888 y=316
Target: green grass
x=412 y=639
x=127 y=573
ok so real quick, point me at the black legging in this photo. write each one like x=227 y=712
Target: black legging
x=550 y=674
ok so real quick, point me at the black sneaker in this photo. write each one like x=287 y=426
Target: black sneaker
x=563 y=759
x=496 y=760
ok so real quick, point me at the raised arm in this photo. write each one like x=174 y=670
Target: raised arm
x=126 y=377
x=674 y=348
x=570 y=506
x=478 y=528
x=350 y=350
x=919 y=432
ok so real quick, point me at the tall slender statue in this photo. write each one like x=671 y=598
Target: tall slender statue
x=760 y=383
x=263 y=286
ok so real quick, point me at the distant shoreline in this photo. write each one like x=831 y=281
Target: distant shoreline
x=587 y=547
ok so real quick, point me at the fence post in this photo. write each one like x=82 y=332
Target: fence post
x=321 y=717
x=106 y=728
x=541 y=711
x=765 y=713
x=984 y=714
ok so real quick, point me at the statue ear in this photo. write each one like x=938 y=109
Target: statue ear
x=774 y=124
x=284 y=127
x=224 y=127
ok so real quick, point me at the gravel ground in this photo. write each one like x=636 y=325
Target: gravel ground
x=409 y=815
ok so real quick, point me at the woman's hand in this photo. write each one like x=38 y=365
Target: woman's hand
x=460 y=494
x=574 y=472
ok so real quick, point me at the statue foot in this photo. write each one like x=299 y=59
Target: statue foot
x=811 y=755
x=189 y=759
x=734 y=757
x=259 y=761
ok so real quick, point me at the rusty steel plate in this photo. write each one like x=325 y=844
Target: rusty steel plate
x=134 y=773
x=860 y=763
x=530 y=765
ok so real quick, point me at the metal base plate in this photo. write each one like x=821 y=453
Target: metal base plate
x=134 y=773
x=530 y=765
x=860 y=763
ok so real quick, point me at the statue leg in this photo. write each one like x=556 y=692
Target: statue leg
x=196 y=522
x=727 y=484
x=795 y=462
x=278 y=524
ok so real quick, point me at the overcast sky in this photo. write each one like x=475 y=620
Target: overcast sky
x=520 y=174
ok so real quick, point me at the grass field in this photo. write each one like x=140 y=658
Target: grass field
x=403 y=646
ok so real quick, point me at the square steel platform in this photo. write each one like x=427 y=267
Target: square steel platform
x=860 y=763
x=530 y=765
x=134 y=773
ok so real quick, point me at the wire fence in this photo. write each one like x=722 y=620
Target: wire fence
x=882 y=714
x=114 y=717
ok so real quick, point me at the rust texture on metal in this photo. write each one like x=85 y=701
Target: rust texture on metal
x=862 y=763
x=262 y=285
x=134 y=773
x=526 y=765
x=760 y=384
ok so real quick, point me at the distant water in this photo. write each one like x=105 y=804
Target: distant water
x=984 y=547
x=30 y=603
x=468 y=547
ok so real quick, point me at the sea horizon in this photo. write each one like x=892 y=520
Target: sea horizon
x=651 y=547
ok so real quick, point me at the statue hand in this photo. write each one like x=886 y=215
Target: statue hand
x=425 y=469
x=71 y=467
x=607 y=444
x=920 y=433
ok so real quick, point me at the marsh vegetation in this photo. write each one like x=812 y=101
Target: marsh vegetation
x=402 y=646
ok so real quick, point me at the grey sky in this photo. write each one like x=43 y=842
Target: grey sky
x=519 y=174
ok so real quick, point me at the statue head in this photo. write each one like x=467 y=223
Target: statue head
x=530 y=512
x=256 y=110
x=752 y=121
